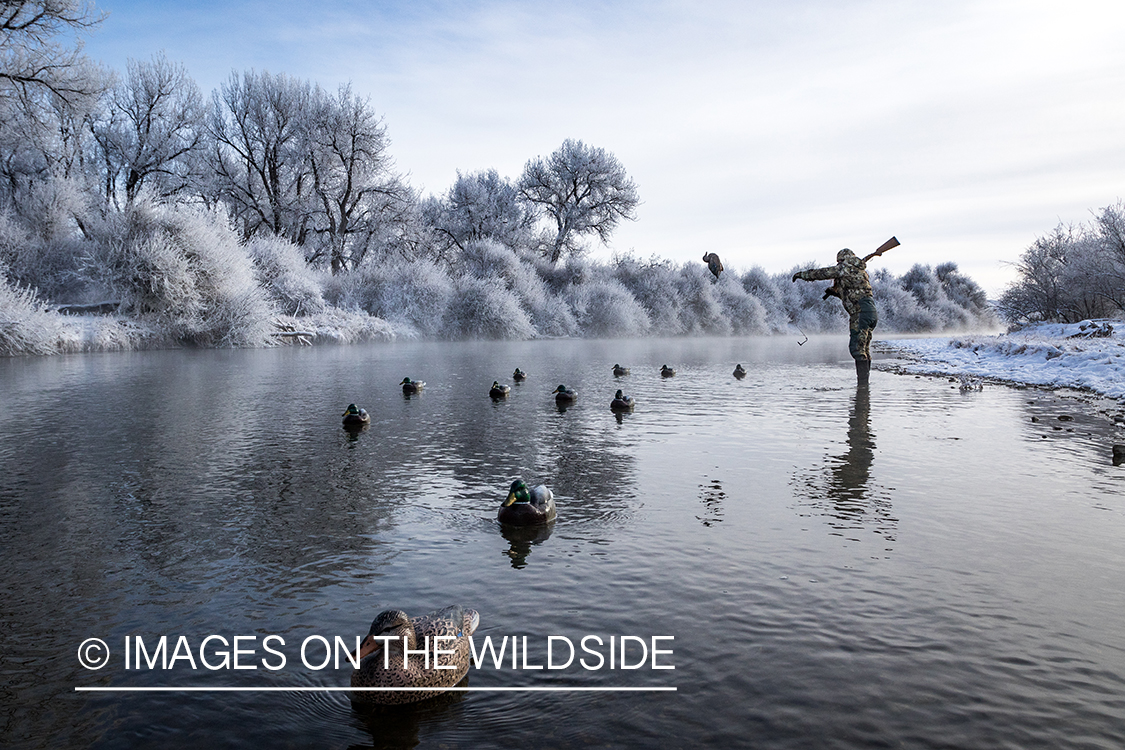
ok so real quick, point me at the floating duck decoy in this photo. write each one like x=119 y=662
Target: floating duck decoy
x=356 y=417
x=498 y=391
x=666 y=371
x=411 y=386
x=385 y=670
x=619 y=371
x=621 y=402
x=739 y=371
x=527 y=507
x=564 y=395
x=519 y=375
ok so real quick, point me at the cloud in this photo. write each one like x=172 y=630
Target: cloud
x=966 y=125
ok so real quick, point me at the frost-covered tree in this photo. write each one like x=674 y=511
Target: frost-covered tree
x=961 y=290
x=928 y=288
x=151 y=132
x=259 y=153
x=360 y=200
x=35 y=53
x=1110 y=234
x=1066 y=276
x=899 y=310
x=583 y=190
x=296 y=162
x=1037 y=293
x=480 y=206
x=48 y=91
x=45 y=172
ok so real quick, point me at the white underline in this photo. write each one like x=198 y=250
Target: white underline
x=370 y=689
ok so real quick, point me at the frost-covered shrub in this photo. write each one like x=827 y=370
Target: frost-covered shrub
x=551 y=315
x=484 y=309
x=338 y=326
x=899 y=310
x=282 y=272
x=924 y=284
x=562 y=276
x=652 y=284
x=746 y=314
x=26 y=327
x=488 y=259
x=808 y=310
x=13 y=238
x=414 y=296
x=764 y=288
x=700 y=311
x=606 y=309
x=55 y=209
x=57 y=268
x=53 y=266
x=185 y=270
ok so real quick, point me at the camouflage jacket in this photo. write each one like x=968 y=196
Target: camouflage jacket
x=851 y=272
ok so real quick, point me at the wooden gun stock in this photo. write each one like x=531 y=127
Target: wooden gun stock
x=892 y=242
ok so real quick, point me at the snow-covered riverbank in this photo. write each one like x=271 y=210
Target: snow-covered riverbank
x=1089 y=355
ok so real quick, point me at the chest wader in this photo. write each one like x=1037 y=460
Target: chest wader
x=861 y=325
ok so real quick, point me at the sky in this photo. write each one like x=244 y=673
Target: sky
x=772 y=132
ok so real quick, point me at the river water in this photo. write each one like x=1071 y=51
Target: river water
x=904 y=566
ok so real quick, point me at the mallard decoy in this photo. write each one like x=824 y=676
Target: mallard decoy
x=739 y=371
x=666 y=371
x=621 y=402
x=713 y=263
x=385 y=670
x=356 y=417
x=519 y=375
x=619 y=371
x=411 y=386
x=564 y=395
x=527 y=507
x=499 y=391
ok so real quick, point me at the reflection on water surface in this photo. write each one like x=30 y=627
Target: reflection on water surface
x=909 y=566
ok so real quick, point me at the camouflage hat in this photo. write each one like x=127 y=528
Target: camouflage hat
x=844 y=254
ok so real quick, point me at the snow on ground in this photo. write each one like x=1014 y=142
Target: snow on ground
x=1089 y=355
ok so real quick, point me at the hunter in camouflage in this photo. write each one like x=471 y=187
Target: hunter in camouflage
x=854 y=289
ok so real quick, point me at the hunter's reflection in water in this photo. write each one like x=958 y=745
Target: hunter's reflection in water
x=850 y=474
x=844 y=491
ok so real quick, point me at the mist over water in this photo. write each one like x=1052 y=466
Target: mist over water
x=907 y=566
